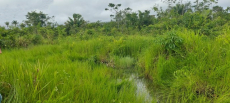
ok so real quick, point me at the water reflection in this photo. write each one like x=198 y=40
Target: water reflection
x=142 y=90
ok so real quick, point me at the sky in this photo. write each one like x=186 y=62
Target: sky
x=91 y=10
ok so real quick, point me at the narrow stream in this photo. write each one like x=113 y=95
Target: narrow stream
x=142 y=90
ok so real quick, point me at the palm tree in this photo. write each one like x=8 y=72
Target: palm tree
x=7 y=24
x=14 y=22
x=77 y=20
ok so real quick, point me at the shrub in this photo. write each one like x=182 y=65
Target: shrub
x=37 y=39
x=90 y=32
x=22 y=42
x=171 y=42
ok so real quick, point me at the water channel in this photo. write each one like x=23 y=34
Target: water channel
x=142 y=90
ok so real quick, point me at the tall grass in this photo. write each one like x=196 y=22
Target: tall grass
x=71 y=71
x=195 y=72
x=183 y=67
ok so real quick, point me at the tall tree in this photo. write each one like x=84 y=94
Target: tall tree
x=36 y=18
x=132 y=19
x=27 y=23
x=118 y=14
x=15 y=22
x=144 y=18
x=114 y=8
x=204 y=5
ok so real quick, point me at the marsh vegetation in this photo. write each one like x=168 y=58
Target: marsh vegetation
x=181 y=55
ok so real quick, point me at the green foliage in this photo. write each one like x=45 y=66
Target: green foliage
x=37 y=39
x=171 y=42
x=22 y=41
x=37 y=18
x=73 y=25
x=90 y=32
x=15 y=22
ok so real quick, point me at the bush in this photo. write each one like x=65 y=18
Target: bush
x=22 y=42
x=172 y=43
x=37 y=39
x=90 y=32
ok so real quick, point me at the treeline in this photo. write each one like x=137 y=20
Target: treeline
x=204 y=17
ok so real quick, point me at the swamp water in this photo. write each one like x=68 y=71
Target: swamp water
x=142 y=90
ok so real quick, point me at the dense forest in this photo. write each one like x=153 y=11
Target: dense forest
x=182 y=52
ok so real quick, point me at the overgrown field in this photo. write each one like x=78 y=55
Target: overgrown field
x=182 y=66
x=74 y=70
